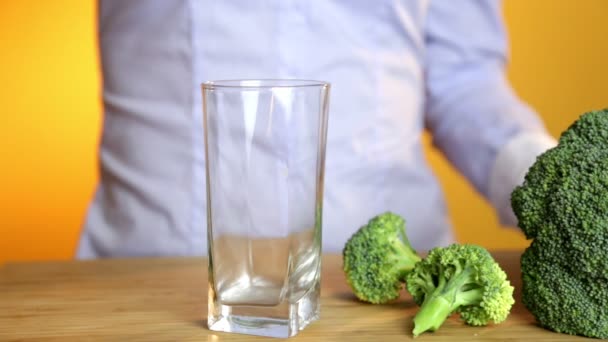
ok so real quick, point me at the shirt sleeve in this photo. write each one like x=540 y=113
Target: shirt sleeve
x=472 y=112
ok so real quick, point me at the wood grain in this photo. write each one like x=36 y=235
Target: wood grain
x=166 y=300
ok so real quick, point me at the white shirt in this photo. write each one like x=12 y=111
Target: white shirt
x=396 y=69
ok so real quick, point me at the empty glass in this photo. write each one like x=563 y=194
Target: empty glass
x=265 y=155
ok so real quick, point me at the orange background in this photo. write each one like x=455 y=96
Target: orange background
x=50 y=110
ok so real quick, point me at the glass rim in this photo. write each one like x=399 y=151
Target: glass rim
x=264 y=83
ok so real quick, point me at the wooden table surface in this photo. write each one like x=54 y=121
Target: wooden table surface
x=166 y=300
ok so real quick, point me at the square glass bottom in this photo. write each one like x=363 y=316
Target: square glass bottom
x=283 y=320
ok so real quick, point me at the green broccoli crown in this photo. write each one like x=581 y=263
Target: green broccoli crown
x=590 y=129
x=459 y=278
x=377 y=257
x=563 y=206
x=560 y=299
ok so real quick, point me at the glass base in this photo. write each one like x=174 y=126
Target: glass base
x=284 y=320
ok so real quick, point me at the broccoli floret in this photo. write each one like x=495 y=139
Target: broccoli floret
x=459 y=278
x=563 y=206
x=560 y=299
x=377 y=257
x=590 y=129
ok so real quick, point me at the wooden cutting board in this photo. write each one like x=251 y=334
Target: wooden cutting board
x=161 y=299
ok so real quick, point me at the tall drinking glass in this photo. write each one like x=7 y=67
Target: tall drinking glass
x=265 y=156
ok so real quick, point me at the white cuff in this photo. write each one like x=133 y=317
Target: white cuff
x=510 y=167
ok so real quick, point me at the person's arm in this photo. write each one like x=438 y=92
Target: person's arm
x=476 y=119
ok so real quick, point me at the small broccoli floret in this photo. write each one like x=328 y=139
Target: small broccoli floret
x=377 y=258
x=459 y=278
x=563 y=206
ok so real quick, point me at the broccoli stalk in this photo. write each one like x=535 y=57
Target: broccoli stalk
x=377 y=259
x=459 y=278
x=448 y=296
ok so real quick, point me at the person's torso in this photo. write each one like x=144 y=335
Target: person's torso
x=155 y=55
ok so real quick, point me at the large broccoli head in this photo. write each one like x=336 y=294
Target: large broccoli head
x=563 y=206
x=590 y=129
x=560 y=299
x=377 y=257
